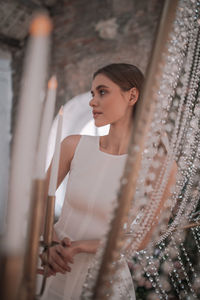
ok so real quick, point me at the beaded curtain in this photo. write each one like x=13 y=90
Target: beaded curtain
x=168 y=268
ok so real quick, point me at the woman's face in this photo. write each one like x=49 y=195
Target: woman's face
x=109 y=103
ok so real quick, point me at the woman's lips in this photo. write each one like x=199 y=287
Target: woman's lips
x=96 y=114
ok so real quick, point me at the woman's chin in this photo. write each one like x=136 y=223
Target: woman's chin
x=100 y=124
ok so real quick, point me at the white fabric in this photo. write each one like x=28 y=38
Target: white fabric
x=92 y=187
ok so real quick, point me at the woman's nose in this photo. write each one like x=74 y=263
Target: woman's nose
x=92 y=102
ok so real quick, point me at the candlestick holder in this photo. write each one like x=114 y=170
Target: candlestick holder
x=28 y=286
x=10 y=275
x=49 y=221
x=48 y=237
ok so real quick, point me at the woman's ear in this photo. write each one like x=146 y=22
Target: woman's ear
x=134 y=94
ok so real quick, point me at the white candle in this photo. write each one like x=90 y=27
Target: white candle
x=5 y=121
x=46 y=125
x=56 y=157
x=26 y=133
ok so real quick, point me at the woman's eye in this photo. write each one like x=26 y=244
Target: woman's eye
x=102 y=92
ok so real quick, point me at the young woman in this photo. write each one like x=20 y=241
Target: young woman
x=95 y=165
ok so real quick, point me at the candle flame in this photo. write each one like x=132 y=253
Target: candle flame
x=41 y=25
x=52 y=83
x=61 y=111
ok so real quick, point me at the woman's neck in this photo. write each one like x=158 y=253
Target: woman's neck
x=117 y=140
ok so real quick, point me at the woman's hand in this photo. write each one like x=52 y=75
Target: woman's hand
x=63 y=254
x=57 y=260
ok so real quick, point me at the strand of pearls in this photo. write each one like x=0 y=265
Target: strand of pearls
x=183 y=269
x=164 y=96
x=160 y=192
x=179 y=132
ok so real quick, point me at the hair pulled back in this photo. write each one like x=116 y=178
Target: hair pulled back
x=126 y=76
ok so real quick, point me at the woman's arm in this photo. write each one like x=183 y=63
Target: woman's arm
x=68 y=147
x=67 y=151
x=85 y=246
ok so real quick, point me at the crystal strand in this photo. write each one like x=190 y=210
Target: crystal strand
x=172 y=54
x=149 y=218
x=146 y=221
x=183 y=269
x=186 y=197
x=176 y=142
x=197 y=241
x=156 y=276
x=169 y=249
x=187 y=257
x=151 y=279
x=173 y=271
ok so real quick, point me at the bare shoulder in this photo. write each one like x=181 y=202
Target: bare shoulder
x=68 y=148
x=70 y=142
x=69 y=145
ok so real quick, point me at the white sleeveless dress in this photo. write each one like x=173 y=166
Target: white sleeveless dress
x=92 y=186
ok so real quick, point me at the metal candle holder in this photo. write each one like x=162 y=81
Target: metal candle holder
x=48 y=236
x=10 y=275
x=28 y=285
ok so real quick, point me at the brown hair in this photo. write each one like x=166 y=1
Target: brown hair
x=126 y=76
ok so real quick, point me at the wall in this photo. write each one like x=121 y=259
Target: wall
x=86 y=36
x=90 y=34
